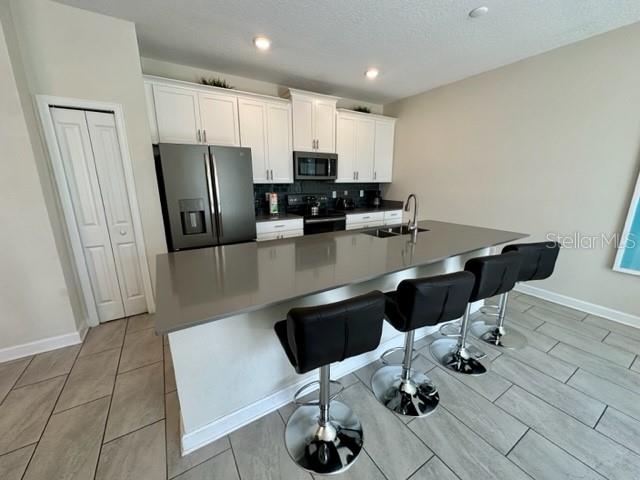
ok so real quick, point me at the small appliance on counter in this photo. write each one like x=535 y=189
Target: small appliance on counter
x=374 y=198
x=345 y=203
x=318 y=217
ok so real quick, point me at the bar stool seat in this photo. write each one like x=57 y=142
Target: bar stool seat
x=415 y=304
x=324 y=436
x=537 y=262
x=494 y=274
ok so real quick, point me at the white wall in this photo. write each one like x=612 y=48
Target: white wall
x=35 y=303
x=549 y=144
x=192 y=74
x=74 y=53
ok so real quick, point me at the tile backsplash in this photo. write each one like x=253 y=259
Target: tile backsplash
x=312 y=188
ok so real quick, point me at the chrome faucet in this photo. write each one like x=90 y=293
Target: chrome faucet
x=413 y=224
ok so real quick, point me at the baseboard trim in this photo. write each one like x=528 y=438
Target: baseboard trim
x=238 y=419
x=592 y=308
x=44 y=345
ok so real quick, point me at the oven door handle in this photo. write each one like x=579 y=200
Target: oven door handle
x=325 y=220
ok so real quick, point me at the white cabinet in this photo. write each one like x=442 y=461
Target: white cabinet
x=219 y=119
x=364 y=220
x=177 y=114
x=265 y=127
x=392 y=217
x=364 y=144
x=276 y=229
x=314 y=122
x=279 y=142
x=383 y=151
x=191 y=115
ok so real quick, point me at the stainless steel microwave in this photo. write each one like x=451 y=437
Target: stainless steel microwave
x=315 y=166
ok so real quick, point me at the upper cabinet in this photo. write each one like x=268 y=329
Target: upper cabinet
x=364 y=145
x=187 y=115
x=314 y=122
x=151 y=111
x=265 y=127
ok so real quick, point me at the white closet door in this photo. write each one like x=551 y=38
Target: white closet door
x=80 y=170
x=108 y=161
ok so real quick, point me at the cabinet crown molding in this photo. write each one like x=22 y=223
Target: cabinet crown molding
x=294 y=91
x=346 y=111
x=207 y=88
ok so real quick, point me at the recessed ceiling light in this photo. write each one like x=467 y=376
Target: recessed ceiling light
x=478 y=12
x=262 y=43
x=371 y=73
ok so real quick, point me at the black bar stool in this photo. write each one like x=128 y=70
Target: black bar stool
x=538 y=261
x=325 y=436
x=418 y=303
x=494 y=274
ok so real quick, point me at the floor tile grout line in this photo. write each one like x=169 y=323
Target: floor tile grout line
x=519 y=359
x=137 y=429
x=590 y=353
x=142 y=366
x=518 y=441
x=199 y=463
x=566 y=382
x=33 y=454
x=542 y=399
x=80 y=404
x=602 y=415
x=417 y=469
x=569 y=453
x=13 y=387
x=16 y=449
x=500 y=396
x=605 y=337
x=613 y=439
x=235 y=460
x=37 y=383
x=106 y=422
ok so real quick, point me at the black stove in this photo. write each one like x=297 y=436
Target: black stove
x=319 y=217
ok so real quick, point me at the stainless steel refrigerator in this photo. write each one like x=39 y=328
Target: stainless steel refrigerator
x=206 y=194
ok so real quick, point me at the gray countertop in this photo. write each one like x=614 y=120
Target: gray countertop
x=208 y=284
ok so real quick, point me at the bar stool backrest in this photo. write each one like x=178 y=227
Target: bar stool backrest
x=538 y=259
x=325 y=334
x=495 y=274
x=432 y=300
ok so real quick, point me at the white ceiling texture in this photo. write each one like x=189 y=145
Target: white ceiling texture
x=326 y=45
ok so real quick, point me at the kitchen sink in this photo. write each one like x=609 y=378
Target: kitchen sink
x=391 y=231
x=404 y=230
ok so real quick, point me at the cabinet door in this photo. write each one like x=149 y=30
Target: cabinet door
x=279 y=149
x=253 y=134
x=151 y=112
x=177 y=114
x=303 y=134
x=324 y=125
x=383 y=162
x=365 y=139
x=346 y=147
x=219 y=114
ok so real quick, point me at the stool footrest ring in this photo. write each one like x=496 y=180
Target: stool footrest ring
x=302 y=390
x=385 y=361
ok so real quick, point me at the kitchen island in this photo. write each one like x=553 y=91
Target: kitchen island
x=218 y=306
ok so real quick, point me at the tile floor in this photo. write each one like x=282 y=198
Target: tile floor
x=566 y=406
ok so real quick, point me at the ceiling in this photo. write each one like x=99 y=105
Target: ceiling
x=326 y=46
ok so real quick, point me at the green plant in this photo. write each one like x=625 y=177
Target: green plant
x=362 y=109
x=215 y=82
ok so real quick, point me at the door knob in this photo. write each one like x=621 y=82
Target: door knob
x=123 y=232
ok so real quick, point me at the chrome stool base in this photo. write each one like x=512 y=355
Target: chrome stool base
x=498 y=337
x=324 y=449
x=415 y=397
x=446 y=352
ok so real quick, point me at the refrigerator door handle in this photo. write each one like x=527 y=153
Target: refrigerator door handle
x=212 y=206
x=215 y=181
